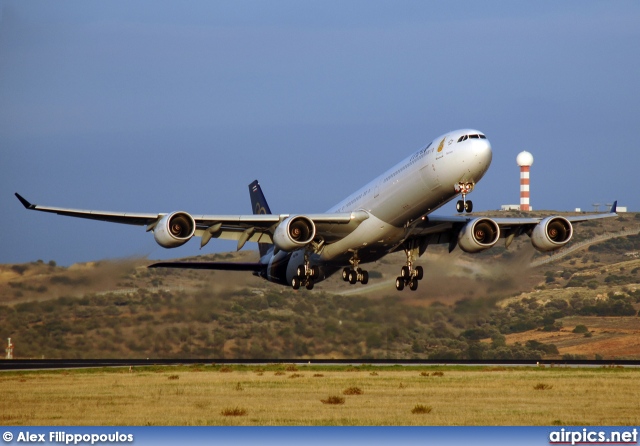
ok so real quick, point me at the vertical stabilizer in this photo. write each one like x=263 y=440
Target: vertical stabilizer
x=260 y=206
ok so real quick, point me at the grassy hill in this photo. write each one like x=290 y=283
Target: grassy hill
x=499 y=304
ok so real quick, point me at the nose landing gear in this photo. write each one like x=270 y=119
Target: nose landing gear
x=464 y=205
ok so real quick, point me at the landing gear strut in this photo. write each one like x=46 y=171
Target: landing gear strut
x=409 y=276
x=306 y=274
x=355 y=274
x=464 y=205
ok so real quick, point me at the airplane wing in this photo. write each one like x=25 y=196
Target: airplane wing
x=445 y=230
x=222 y=266
x=243 y=228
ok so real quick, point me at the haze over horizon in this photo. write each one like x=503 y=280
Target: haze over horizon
x=162 y=106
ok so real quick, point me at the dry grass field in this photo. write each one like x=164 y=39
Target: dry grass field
x=303 y=395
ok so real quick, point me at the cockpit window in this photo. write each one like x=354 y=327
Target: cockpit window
x=465 y=137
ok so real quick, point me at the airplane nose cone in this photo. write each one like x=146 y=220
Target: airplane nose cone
x=485 y=152
x=482 y=154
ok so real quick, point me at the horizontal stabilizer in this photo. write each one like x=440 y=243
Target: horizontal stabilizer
x=222 y=266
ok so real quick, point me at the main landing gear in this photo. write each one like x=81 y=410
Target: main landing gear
x=306 y=275
x=464 y=205
x=355 y=274
x=409 y=276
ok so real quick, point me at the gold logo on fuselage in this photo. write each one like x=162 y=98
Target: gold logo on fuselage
x=441 y=146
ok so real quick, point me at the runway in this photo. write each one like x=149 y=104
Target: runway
x=41 y=364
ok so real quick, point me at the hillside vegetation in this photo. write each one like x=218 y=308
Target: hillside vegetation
x=492 y=305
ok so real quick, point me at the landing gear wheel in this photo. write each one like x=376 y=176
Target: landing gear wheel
x=419 y=273
x=309 y=284
x=413 y=284
x=468 y=206
x=315 y=272
x=405 y=272
x=295 y=282
x=399 y=283
x=353 y=277
x=345 y=274
x=365 y=278
x=460 y=206
x=301 y=271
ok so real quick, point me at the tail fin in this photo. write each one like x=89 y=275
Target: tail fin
x=260 y=206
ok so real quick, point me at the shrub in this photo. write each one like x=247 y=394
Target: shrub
x=419 y=408
x=542 y=386
x=233 y=412
x=173 y=377
x=353 y=391
x=20 y=269
x=581 y=329
x=333 y=400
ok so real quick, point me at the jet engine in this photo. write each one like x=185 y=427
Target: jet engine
x=174 y=230
x=294 y=233
x=478 y=234
x=551 y=233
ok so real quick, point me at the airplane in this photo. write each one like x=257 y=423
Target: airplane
x=389 y=214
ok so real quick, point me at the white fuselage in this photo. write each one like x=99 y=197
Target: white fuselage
x=413 y=188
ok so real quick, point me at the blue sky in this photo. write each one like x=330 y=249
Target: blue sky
x=162 y=106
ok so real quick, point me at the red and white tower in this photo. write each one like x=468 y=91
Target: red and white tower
x=524 y=160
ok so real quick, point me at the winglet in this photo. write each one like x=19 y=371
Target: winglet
x=24 y=202
x=614 y=207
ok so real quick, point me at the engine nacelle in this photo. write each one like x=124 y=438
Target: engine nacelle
x=478 y=234
x=174 y=230
x=294 y=233
x=551 y=233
